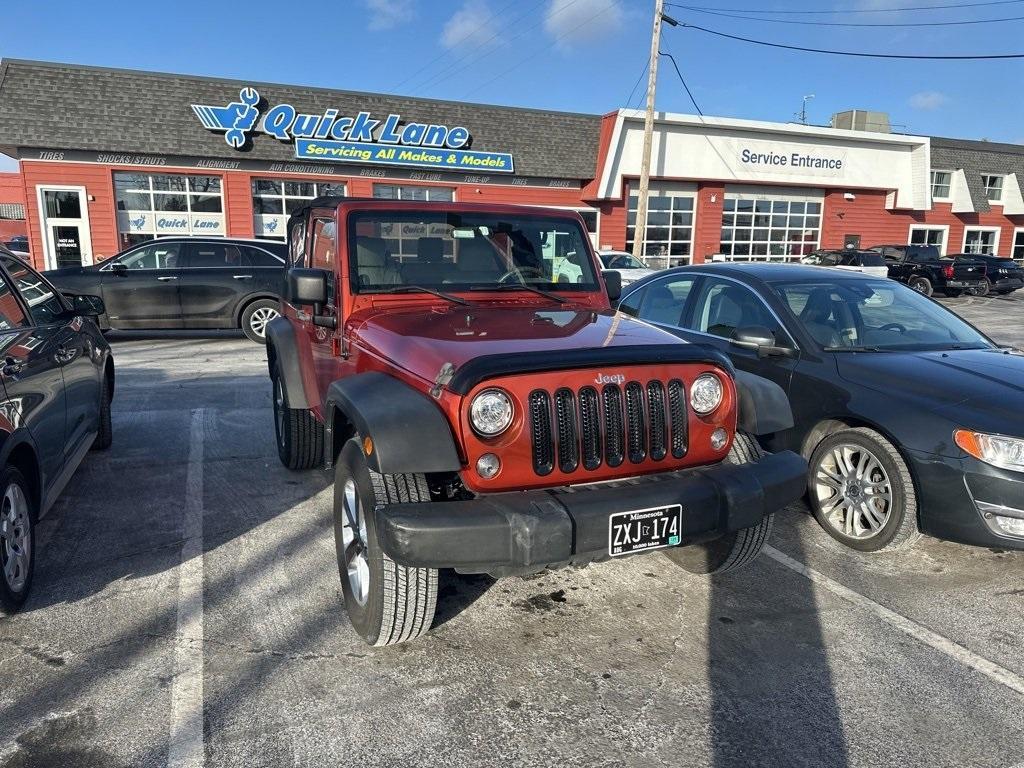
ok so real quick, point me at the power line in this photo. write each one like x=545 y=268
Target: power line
x=861 y=54
x=629 y=99
x=682 y=80
x=849 y=10
x=856 y=23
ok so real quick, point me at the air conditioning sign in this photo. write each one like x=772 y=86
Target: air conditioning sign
x=362 y=138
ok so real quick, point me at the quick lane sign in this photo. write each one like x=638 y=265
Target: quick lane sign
x=334 y=137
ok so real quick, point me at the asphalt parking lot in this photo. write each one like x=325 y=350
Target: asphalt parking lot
x=134 y=650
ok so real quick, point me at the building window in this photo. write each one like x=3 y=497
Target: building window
x=15 y=211
x=399 y=192
x=158 y=204
x=274 y=200
x=769 y=229
x=929 y=236
x=668 y=236
x=993 y=187
x=941 y=182
x=1018 y=245
x=978 y=240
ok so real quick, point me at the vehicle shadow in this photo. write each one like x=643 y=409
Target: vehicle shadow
x=157 y=335
x=456 y=592
x=773 y=698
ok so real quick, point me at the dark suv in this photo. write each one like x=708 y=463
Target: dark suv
x=183 y=282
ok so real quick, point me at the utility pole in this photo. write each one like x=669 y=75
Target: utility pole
x=803 y=108
x=640 y=229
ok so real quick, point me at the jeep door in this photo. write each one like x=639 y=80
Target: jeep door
x=140 y=288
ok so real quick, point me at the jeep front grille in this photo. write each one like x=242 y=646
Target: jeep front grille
x=592 y=427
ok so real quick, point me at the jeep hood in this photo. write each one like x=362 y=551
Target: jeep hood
x=422 y=340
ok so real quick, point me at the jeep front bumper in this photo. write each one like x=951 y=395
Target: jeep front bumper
x=525 y=532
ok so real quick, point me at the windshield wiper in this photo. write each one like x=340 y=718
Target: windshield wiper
x=856 y=349
x=421 y=289
x=518 y=287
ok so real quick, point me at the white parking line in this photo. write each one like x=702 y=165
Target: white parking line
x=186 y=732
x=932 y=639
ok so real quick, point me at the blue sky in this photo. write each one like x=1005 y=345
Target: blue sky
x=582 y=55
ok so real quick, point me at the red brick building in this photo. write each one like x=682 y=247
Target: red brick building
x=12 y=206
x=113 y=157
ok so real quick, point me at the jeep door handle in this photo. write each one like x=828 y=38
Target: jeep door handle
x=242 y=277
x=165 y=278
x=12 y=366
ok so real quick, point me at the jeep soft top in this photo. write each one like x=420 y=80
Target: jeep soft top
x=460 y=367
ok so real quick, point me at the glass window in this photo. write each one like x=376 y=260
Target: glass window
x=663 y=301
x=1018 y=245
x=44 y=302
x=11 y=313
x=257 y=257
x=324 y=245
x=407 y=192
x=156 y=256
x=274 y=200
x=214 y=255
x=668 y=236
x=993 y=187
x=62 y=204
x=982 y=241
x=941 y=181
x=144 y=200
x=723 y=306
x=792 y=231
x=929 y=236
x=297 y=244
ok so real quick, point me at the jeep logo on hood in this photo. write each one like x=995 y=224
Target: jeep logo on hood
x=610 y=378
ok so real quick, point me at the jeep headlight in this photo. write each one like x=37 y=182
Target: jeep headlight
x=706 y=393
x=490 y=413
x=997 y=450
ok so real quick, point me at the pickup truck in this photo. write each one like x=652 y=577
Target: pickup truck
x=481 y=415
x=922 y=268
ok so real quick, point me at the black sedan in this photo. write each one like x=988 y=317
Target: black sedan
x=912 y=420
x=171 y=282
x=56 y=384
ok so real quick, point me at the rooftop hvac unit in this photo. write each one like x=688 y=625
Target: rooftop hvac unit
x=862 y=120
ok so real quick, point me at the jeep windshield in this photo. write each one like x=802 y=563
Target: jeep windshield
x=453 y=252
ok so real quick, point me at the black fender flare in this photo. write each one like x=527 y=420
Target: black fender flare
x=763 y=405
x=408 y=430
x=283 y=352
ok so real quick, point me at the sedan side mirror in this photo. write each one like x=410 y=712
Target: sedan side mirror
x=759 y=339
x=613 y=282
x=84 y=304
x=118 y=268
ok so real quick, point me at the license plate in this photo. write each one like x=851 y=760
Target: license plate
x=644 y=529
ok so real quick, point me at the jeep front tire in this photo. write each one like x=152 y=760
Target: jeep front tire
x=736 y=549
x=300 y=437
x=387 y=603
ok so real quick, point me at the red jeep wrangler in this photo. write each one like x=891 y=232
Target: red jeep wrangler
x=486 y=410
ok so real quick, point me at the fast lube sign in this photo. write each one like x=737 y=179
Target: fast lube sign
x=362 y=138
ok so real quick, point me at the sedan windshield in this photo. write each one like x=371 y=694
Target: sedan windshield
x=875 y=315
x=468 y=251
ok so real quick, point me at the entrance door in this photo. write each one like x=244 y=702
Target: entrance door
x=65 y=221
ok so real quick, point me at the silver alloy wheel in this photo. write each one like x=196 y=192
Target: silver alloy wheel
x=353 y=538
x=279 y=408
x=260 y=317
x=15 y=537
x=853 y=491
x=919 y=286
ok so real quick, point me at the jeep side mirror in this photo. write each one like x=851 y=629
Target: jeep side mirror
x=613 y=282
x=759 y=339
x=307 y=287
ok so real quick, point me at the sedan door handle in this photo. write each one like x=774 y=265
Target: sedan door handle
x=242 y=277
x=165 y=278
x=12 y=366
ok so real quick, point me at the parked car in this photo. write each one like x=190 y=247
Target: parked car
x=868 y=262
x=471 y=406
x=182 y=282
x=18 y=243
x=909 y=416
x=923 y=269
x=57 y=379
x=626 y=264
x=1002 y=275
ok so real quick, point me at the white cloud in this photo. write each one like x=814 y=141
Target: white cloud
x=582 y=21
x=387 y=14
x=471 y=25
x=928 y=100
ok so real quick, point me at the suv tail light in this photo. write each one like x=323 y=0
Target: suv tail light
x=948 y=271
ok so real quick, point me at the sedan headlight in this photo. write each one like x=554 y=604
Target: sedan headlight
x=998 y=450
x=706 y=393
x=490 y=413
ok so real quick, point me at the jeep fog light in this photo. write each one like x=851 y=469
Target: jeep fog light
x=719 y=438
x=706 y=393
x=490 y=413
x=487 y=466
x=1011 y=526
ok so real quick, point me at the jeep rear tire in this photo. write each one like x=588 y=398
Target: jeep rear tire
x=387 y=603
x=736 y=549
x=300 y=437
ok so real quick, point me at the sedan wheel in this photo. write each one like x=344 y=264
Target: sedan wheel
x=258 y=320
x=257 y=316
x=854 y=491
x=16 y=541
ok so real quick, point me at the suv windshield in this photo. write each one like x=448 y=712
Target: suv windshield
x=454 y=251
x=850 y=315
